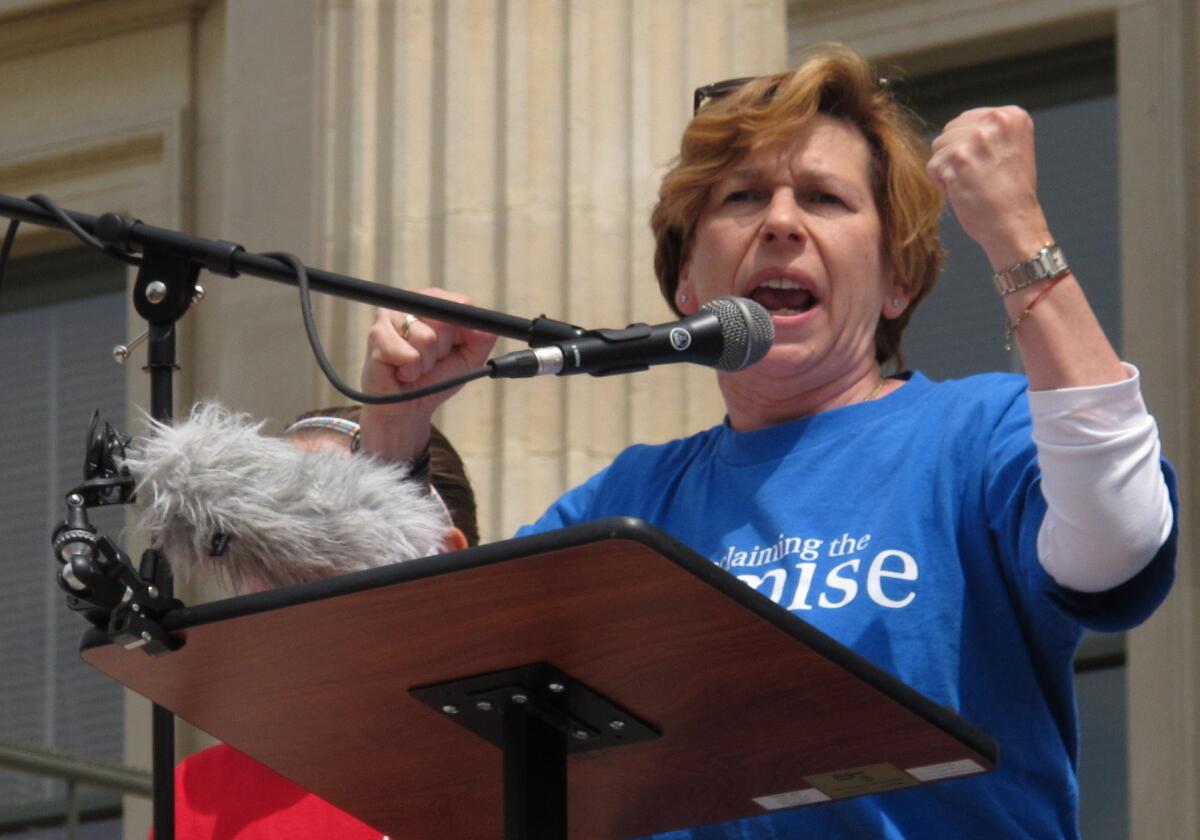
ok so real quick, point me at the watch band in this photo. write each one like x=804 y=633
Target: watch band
x=1046 y=264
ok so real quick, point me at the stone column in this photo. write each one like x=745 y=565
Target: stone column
x=1159 y=81
x=511 y=150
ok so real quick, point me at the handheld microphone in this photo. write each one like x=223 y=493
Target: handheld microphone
x=729 y=333
x=221 y=498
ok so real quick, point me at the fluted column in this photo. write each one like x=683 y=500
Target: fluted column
x=511 y=150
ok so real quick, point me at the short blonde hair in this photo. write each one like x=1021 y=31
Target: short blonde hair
x=836 y=81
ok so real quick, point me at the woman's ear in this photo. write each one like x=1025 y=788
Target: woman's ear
x=896 y=301
x=685 y=296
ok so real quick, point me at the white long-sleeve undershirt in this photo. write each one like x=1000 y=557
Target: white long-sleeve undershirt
x=1108 y=507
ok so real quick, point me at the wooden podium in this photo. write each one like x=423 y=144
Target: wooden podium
x=722 y=704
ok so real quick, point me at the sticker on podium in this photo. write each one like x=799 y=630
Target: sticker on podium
x=947 y=770
x=779 y=801
x=858 y=781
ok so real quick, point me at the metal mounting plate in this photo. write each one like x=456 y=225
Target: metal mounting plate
x=589 y=720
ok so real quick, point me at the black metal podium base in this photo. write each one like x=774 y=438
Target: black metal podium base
x=537 y=715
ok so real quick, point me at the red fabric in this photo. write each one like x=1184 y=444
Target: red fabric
x=221 y=794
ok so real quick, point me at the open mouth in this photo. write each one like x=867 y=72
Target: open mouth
x=783 y=297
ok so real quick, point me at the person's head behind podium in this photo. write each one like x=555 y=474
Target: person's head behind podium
x=335 y=429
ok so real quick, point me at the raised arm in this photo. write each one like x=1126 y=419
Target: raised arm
x=1098 y=448
x=984 y=161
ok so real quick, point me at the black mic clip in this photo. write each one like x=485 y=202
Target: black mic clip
x=105 y=479
x=545 y=330
x=98 y=578
x=633 y=332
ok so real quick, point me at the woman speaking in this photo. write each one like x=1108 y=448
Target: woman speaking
x=960 y=534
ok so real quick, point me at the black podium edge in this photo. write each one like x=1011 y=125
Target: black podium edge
x=615 y=528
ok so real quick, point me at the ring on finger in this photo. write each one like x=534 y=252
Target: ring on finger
x=409 y=320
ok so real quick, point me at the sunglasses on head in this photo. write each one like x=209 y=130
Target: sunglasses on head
x=718 y=89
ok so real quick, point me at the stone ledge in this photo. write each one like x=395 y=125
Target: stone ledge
x=28 y=27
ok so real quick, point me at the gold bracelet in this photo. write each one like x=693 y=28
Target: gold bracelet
x=1011 y=329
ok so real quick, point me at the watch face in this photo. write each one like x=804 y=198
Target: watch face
x=1056 y=261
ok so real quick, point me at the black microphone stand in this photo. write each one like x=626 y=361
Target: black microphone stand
x=165 y=287
x=126 y=235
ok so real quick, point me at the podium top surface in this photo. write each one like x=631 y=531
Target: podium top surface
x=756 y=709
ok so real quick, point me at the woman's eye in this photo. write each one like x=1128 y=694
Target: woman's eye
x=820 y=197
x=742 y=195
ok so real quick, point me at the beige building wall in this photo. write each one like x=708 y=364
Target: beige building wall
x=1158 y=79
x=510 y=149
x=506 y=150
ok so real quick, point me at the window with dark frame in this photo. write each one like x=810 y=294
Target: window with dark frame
x=61 y=313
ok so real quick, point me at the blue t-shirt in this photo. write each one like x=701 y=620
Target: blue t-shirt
x=906 y=529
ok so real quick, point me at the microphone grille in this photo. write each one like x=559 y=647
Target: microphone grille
x=746 y=331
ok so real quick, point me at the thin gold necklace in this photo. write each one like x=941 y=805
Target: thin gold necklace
x=875 y=391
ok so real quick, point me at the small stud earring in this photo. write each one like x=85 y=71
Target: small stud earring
x=683 y=297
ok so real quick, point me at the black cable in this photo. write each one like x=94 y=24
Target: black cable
x=310 y=328
x=48 y=204
x=289 y=260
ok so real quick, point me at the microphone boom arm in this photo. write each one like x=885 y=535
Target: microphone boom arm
x=126 y=235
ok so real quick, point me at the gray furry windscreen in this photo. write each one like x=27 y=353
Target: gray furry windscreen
x=289 y=515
